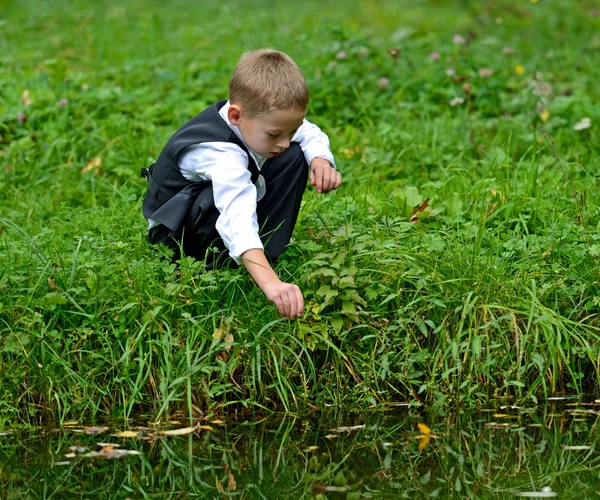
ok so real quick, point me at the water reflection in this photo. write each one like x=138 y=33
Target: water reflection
x=495 y=453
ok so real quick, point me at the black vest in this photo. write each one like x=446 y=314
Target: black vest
x=170 y=195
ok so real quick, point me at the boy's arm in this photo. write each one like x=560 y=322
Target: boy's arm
x=286 y=296
x=225 y=165
x=315 y=146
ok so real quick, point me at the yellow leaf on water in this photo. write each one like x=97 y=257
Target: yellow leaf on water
x=179 y=432
x=575 y=448
x=71 y=425
x=424 y=442
x=424 y=429
x=126 y=434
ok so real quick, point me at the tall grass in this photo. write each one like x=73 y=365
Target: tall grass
x=494 y=292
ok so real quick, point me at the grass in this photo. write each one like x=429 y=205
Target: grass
x=495 y=292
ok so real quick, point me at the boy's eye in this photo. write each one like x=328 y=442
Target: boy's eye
x=272 y=136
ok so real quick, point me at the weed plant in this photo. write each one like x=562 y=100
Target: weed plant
x=457 y=263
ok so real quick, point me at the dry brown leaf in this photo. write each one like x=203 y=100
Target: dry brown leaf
x=219 y=485
x=232 y=484
x=95 y=430
x=205 y=427
x=421 y=208
x=110 y=451
x=179 y=432
x=25 y=98
x=93 y=164
x=228 y=340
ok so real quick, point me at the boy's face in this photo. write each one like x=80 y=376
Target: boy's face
x=270 y=134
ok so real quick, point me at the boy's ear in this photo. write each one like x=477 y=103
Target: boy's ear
x=234 y=114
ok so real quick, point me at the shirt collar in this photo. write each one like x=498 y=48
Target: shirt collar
x=257 y=158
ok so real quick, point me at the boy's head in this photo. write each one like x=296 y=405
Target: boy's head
x=268 y=99
x=266 y=80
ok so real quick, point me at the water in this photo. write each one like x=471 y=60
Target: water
x=501 y=452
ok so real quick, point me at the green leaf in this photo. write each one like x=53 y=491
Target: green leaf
x=348 y=307
x=480 y=471
x=337 y=324
x=340 y=479
x=454 y=205
x=323 y=272
x=352 y=296
x=412 y=196
x=371 y=292
x=476 y=346
x=346 y=281
x=594 y=250
x=53 y=298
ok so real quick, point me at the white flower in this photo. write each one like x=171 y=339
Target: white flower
x=459 y=39
x=456 y=101
x=383 y=83
x=583 y=124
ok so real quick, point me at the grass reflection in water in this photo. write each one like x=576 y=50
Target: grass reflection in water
x=500 y=453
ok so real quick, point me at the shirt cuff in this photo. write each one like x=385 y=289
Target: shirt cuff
x=236 y=250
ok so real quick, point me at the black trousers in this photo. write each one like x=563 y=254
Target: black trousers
x=277 y=212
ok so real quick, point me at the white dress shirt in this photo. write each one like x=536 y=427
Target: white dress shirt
x=225 y=164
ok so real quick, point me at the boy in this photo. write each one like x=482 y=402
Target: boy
x=232 y=178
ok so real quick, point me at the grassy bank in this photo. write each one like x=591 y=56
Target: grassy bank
x=495 y=291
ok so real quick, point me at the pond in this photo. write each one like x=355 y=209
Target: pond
x=506 y=451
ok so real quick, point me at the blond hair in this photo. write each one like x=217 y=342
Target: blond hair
x=266 y=80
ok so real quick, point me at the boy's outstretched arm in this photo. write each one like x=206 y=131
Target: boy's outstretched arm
x=286 y=296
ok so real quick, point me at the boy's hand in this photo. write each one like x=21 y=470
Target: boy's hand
x=324 y=176
x=287 y=297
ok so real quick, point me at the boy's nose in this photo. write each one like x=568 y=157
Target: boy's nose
x=283 y=144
